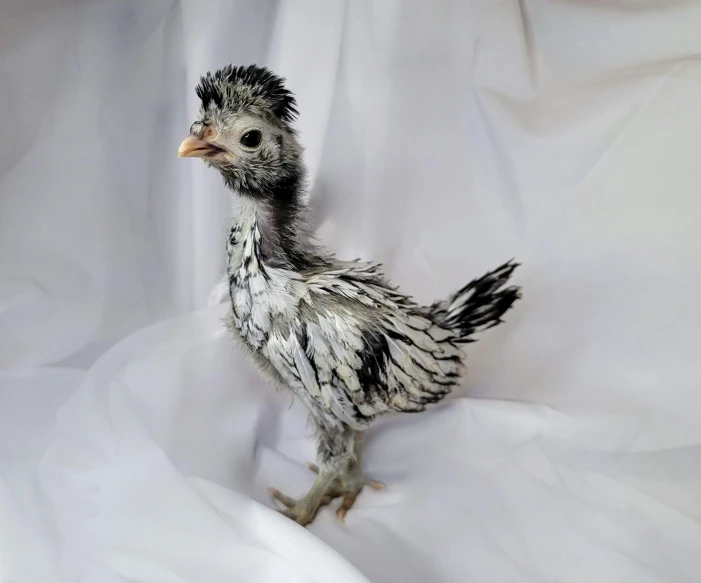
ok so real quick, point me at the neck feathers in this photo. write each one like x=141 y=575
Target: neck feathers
x=278 y=222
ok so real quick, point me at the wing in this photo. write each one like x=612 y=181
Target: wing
x=318 y=359
x=363 y=348
x=408 y=360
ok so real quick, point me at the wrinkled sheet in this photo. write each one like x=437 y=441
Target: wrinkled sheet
x=137 y=444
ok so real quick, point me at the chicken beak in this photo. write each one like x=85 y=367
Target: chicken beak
x=193 y=147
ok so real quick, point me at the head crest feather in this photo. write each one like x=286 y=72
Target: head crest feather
x=237 y=87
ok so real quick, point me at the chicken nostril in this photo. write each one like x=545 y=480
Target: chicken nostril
x=196 y=129
x=201 y=130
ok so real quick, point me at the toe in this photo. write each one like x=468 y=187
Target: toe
x=286 y=500
x=313 y=467
x=341 y=514
x=299 y=514
x=346 y=504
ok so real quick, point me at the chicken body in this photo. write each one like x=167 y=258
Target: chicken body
x=349 y=345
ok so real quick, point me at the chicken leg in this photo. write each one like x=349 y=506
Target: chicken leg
x=344 y=480
x=350 y=482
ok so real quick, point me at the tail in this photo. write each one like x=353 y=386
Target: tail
x=479 y=305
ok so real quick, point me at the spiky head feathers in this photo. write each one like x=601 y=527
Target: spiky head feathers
x=244 y=129
x=254 y=89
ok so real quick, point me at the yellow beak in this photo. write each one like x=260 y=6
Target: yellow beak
x=192 y=147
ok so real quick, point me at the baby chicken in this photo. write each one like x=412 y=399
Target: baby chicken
x=349 y=345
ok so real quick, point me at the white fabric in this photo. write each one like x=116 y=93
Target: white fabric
x=444 y=138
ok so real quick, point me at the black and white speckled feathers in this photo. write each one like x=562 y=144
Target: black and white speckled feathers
x=346 y=342
x=239 y=89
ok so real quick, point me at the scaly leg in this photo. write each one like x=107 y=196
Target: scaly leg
x=304 y=510
x=335 y=450
x=349 y=482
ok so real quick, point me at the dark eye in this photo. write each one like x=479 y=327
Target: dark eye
x=251 y=139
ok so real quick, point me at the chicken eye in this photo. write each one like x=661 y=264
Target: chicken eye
x=251 y=139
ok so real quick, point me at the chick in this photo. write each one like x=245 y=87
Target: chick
x=349 y=345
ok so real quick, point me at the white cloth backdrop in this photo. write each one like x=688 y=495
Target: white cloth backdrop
x=444 y=137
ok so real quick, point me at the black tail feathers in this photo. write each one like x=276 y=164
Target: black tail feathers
x=479 y=305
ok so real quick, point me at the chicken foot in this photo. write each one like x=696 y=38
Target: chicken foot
x=347 y=486
x=328 y=485
x=303 y=510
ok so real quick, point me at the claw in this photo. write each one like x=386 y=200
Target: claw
x=313 y=467
x=346 y=504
